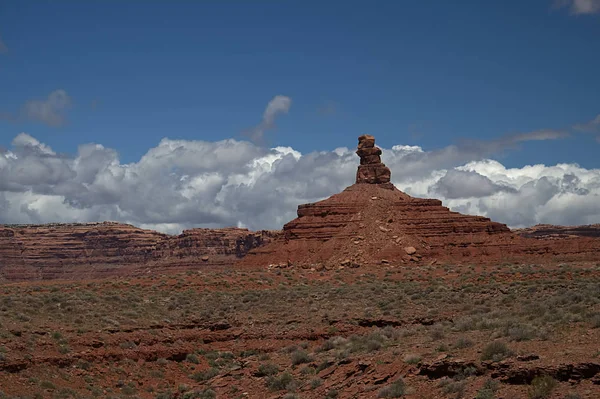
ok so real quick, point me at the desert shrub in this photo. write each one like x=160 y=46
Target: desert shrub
x=281 y=382
x=463 y=343
x=192 y=358
x=572 y=395
x=47 y=385
x=332 y=394
x=390 y=332
x=495 y=351
x=323 y=365
x=162 y=361
x=541 y=387
x=128 y=390
x=521 y=333
x=207 y=394
x=249 y=352
x=300 y=357
x=127 y=345
x=412 y=358
x=315 y=383
x=396 y=390
x=485 y=394
x=437 y=332
x=488 y=391
x=333 y=343
x=595 y=321
x=456 y=387
x=205 y=375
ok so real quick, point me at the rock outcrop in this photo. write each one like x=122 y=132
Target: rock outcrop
x=372 y=222
x=548 y=231
x=371 y=169
x=92 y=250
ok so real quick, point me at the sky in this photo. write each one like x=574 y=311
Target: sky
x=171 y=115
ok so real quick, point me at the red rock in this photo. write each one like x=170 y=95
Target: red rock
x=92 y=250
x=371 y=169
x=548 y=231
x=324 y=231
x=410 y=250
x=366 y=141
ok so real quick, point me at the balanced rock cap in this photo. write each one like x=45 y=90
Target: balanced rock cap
x=371 y=169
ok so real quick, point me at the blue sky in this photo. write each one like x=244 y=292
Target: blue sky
x=426 y=73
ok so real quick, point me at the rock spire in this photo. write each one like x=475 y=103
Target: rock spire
x=371 y=169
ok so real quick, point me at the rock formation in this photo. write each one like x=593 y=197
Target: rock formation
x=372 y=222
x=548 y=231
x=369 y=223
x=92 y=250
x=371 y=169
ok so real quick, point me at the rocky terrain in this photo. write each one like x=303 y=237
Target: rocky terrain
x=484 y=332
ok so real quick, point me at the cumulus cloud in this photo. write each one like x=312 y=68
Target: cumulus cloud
x=579 y=7
x=458 y=183
x=181 y=184
x=278 y=105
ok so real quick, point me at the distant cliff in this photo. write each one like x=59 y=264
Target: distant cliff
x=92 y=250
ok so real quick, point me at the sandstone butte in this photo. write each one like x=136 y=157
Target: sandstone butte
x=372 y=222
x=369 y=223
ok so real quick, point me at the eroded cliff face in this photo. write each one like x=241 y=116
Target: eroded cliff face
x=92 y=250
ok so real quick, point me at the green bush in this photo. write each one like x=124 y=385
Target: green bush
x=281 y=382
x=206 y=374
x=496 y=351
x=396 y=390
x=488 y=391
x=541 y=387
x=299 y=357
x=267 y=369
x=192 y=358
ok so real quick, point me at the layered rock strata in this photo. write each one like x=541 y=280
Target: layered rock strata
x=548 y=231
x=372 y=222
x=92 y=250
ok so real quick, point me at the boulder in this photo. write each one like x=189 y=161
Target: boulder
x=410 y=250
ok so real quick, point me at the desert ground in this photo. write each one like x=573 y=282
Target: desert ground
x=443 y=331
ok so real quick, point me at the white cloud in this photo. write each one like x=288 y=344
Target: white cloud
x=50 y=111
x=278 y=105
x=578 y=7
x=180 y=184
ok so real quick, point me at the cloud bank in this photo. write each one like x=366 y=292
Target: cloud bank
x=181 y=184
x=579 y=7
